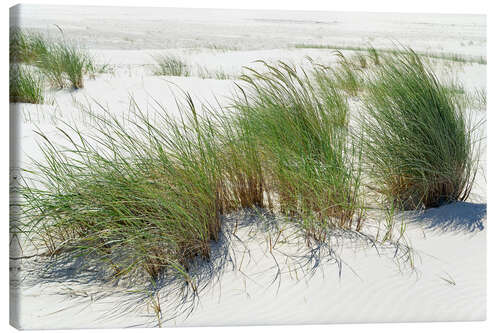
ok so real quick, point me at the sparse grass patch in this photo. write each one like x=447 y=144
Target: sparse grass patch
x=348 y=76
x=373 y=55
x=25 y=85
x=474 y=100
x=361 y=60
x=445 y=56
x=417 y=143
x=480 y=98
x=171 y=66
x=221 y=48
x=217 y=74
x=454 y=88
x=93 y=68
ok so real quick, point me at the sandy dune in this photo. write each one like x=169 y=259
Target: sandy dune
x=249 y=283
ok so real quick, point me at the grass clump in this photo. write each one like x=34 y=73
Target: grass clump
x=299 y=124
x=62 y=63
x=65 y=65
x=170 y=65
x=417 y=143
x=26 y=47
x=221 y=48
x=147 y=195
x=143 y=202
x=25 y=85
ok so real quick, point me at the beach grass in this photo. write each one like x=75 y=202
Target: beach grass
x=147 y=195
x=349 y=74
x=221 y=48
x=170 y=65
x=455 y=57
x=417 y=142
x=217 y=74
x=25 y=85
x=139 y=197
x=61 y=62
x=65 y=65
x=374 y=55
x=26 y=46
x=300 y=126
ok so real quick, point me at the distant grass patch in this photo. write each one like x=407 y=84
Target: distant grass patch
x=25 y=85
x=170 y=65
x=418 y=146
x=217 y=74
x=221 y=48
x=445 y=56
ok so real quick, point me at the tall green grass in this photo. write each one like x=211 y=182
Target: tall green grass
x=140 y=196
x=299 y=125
x=25 y=85
x=418 y=145
x=147 y=195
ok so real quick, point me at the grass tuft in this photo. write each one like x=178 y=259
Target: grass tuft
x=61 y=62
x=25 y=85
x=170 y=66
x=418 y=145
x=65 y=65
x=26 y=46
x=299 y=124
x=139 y=196
x=217 y=74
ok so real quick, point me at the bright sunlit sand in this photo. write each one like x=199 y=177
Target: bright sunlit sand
x=261 y=229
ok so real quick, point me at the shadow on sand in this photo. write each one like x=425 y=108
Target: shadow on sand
x=176 y=296
x=453 y=217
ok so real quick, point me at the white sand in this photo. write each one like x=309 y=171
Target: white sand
x=449 y=243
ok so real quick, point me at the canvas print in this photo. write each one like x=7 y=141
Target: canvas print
x=200 y=167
